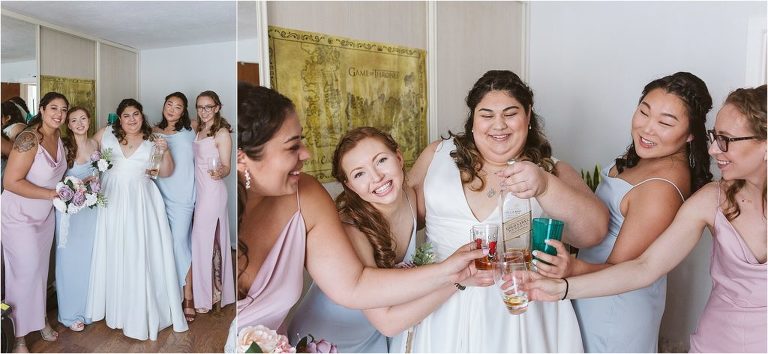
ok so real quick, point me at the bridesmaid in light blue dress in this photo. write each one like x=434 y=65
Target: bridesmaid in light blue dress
x=75 y=233
x=178 y=190
x=379 y=214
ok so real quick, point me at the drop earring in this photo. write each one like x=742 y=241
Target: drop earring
x=247 y=179
x=691 y=160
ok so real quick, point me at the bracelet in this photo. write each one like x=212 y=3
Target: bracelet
x=459 y=286
x=566 y=289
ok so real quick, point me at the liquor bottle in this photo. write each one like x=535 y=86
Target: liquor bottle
x=515 y=223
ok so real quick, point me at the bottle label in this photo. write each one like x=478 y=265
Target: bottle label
x=518 y=226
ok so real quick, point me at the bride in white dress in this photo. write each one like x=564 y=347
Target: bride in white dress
x=458 y=181
x=133 y=281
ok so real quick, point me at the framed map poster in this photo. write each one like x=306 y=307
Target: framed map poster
x=338 y=84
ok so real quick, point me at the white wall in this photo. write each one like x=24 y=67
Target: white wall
x=248 y=50
x=20 y=71
x=588 y=65
x=191 y=70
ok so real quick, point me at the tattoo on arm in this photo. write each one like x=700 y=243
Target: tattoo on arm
x=25 y=141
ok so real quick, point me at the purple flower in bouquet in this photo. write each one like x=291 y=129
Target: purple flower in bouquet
x=79 y=198
x=95 y=185
x=96 y=156
x=66 y=193
x=322 y=346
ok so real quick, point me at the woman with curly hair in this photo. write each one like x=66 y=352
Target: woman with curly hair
x=734 y=210
x=458 y=182
x=134 y=284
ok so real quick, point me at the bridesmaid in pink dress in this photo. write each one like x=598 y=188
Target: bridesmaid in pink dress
x=212 y=278
x=36 y=163
x=734 y=209
x=287 y=221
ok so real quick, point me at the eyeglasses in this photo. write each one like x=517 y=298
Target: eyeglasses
x=723 y=141
x=205 y=109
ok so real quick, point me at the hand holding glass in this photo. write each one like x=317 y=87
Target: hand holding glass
x=485 y=236
x=543 y=230
x=510 y=275
x=214 y=165
x=156 y=158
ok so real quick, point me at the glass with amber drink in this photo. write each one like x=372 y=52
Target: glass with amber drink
x=485 y=237
x=510 y=274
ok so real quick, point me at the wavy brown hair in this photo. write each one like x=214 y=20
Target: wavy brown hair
x=68 y=139
x=695 y=96
x=536 y=149
x=218 y=121
x=117 y=129
x=362 y=214
x=260 y=114
x=751 y=103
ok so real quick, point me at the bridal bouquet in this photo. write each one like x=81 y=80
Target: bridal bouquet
x=74 y=195
x=260 y=339
x=102 y=161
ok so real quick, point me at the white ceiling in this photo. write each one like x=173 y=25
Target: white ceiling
x=137 y=24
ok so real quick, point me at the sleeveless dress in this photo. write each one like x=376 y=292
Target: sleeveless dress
x=178 y=192
x=7 y=131
x=73 y=256
x=627 y=322
x=210 y=213
x=476 y=320
x=348 y=329
x=734 y=319
x=133 y=274
x=27 y=228
x=278 y=284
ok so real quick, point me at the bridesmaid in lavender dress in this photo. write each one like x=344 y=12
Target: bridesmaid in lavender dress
x=212 y=278
x=35 y=165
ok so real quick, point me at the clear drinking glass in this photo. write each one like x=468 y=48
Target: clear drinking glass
x=214 y=164
x=155 y=158
x=510 y=275
x=485 y=237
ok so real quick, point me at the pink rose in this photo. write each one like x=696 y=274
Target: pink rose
x=96 y=155
x=322 y=346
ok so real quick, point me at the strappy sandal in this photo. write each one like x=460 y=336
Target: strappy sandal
x=48 y=334
x=189 y=304
x=77 y=326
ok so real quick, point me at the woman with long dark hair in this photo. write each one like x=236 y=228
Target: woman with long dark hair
x=666 y=162
x=734 y=210
x=36 y=163
x=287 y=220
x=178 y=189
x=75 y=233
x=134 y=282
x=458 y=181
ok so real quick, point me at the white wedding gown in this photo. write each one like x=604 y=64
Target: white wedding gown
x=475 y=320
x=133 y=280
